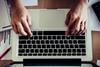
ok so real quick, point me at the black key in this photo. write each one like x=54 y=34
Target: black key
x=82 y=46
x=34 y=33
x=60 y=50
x=56 y=41
x=48 y=46
x=83 y=50
x=74 y=50
x=35 y=54
x=55 y=50
x=20 y=46
x=29 y=46
x=81 y=41
x=25 y=46
x=28 y=42
x=46 y=50
x=52 y=46
x=43 y=46
x=41 y=50
x=58 y=37
x=54 y=54
x=71 y=46
x=29 y=54
x=79 y=37
x=40 y=37
x=63 y=37
x=25 y=54
x=22 y=42
x=61 y=41
x=37 y=41
x=23 y=37
x=66 y=46
x=42 y=41
x=31 y=37
x=32 y=50
x=73 y=54
x=54 y=37
x=69 y=54
x=58 y=46
x=27 y=50
x=65 y=41
x=64 y=50
x=59 y=54
x=79 y=54
x=54 y=32
x=38 y=46
x=67 y=37
x=72 y=37
x=62 y=46
x=50 y=50
x=75 y=41
x=20 y=54
x=69 y=50
x=76 y=46
x=44 y=37
x=70 y=41
x=33 y=41
x=39 y=54
x=63 y=54
x=34 y=46
x=39 y=32
x=84 y=54
x=36 y=50
x=49 y=54
x=78 y=50
x=35 y=37
x=51 y=41
x=49 y=37
x=21 y=50
x=45 y=54
x=47 y=41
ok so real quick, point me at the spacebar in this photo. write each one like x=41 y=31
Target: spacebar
x=52 y=62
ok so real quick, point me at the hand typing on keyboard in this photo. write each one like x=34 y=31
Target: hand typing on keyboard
x=20 y=20
x=77 y=18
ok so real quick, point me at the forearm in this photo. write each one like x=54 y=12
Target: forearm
x=83 y=1
x=16 y=4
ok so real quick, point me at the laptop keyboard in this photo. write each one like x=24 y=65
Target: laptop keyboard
x=52 y=43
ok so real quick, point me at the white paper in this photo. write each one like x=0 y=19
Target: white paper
x=30 y=2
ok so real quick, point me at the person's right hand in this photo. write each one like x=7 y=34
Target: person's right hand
x=20 y=21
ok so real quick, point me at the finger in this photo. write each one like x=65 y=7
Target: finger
x=76 y=27
x=84 y=27
x=81 y=27
x=71 y=21
x=26 y=26
x=29 y=20
x=21 y=29
x=14 y=27
x=67 y=19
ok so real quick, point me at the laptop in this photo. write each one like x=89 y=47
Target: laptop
x=49 y=46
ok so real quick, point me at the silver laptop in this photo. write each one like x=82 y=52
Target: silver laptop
x=49 y=40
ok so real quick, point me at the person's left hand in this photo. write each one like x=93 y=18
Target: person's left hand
x=77 y=19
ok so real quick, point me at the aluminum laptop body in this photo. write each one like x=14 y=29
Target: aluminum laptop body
x=50 y=20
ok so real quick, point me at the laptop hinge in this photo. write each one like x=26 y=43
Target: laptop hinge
x=52 y=62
